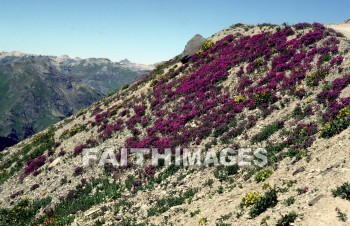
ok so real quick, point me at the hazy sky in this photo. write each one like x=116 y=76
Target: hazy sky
x=146 y=31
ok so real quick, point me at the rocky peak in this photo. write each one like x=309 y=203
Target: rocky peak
x=193 y=45
x=125 y=61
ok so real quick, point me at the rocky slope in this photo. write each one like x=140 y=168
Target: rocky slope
x=37 y=91
x=282 y=88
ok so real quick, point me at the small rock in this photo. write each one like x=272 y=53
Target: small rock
x=324 y=172
x=193 y=45
x=91 y=212
x=55 y=162
x=315 y=200
x=299 y=170
x=118 y=218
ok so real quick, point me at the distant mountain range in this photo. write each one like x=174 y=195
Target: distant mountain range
x=37 y=91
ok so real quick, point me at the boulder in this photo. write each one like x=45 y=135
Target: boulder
x=193 y=45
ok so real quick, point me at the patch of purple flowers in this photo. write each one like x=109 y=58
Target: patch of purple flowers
x=34 y=164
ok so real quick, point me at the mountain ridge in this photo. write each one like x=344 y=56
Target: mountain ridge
x=66 y=58
x=54 y=87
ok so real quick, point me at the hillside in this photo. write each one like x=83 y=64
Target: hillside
x=37 y=91
x=281 y=88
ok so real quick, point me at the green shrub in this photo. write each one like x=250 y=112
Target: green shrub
x=171 y=170
x=23 y=213
x=301 y=113
x=263 y=175
x=194 y=213
x=344 y=112
x=249 y=173
x=125 y=86
x=128 y=182
x=129 y=222
x=81 y=199
x=266 y=132
x=159 y=69
x=163 y=205
x=287 y=219
x=154 y=82
x=220 y=189
x=209 y=182
x=341 y=122
x=115 y=110
x=341 y=215
x=202 y=221
x=222 y=219
x=74 y=130
x=302 y=190
x=206 y=45
x=222 y=173
x=289 y=201
x=314 y=78
x=310 y=80
x=269 y=25
x=264 y=96
x=326 y=58
x=336 y=126
x=272 y=150
x=264 y=202
x=342 y=191
x=239 y=99
x=297 y=111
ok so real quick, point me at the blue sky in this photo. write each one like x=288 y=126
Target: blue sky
x=146 y=31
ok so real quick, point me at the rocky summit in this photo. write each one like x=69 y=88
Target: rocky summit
x=193 y=45
x=277 y=96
